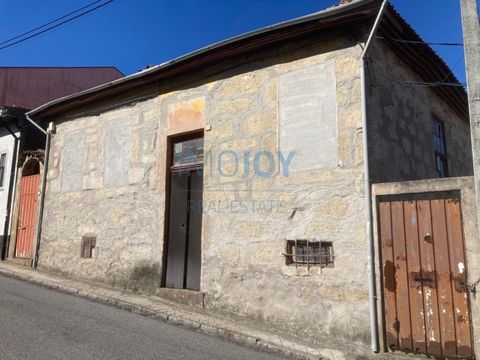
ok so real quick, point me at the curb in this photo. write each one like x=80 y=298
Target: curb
x=284 y=348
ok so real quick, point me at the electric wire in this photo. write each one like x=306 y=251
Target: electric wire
x=49 y=23
x=415 y=83
x=452 y=69
x=9 y=43
x=419 y=42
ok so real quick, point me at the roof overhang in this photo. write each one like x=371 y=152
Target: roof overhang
x=335 y=16
x=427 y=63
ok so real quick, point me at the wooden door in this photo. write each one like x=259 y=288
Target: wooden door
x=185 y=214
x=27 y=216
x=426 y=308
x=185 y=227
x=194 y=249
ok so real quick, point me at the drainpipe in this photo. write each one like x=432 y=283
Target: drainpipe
x=38 y=229
x=368 y=190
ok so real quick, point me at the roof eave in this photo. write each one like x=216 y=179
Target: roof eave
x=48 y=109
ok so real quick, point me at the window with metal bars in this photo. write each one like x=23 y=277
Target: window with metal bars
x=309 y=253
x=3 y=160
x=440 y=147
x=87 y=246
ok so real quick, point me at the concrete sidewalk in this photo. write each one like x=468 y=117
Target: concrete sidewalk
x=237 y=329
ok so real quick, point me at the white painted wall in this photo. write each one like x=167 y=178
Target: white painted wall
x=7 y=143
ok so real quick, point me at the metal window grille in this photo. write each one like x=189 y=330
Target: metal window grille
x=440 y=148
x=309 y=253
x=87 y=246
x=3 y=158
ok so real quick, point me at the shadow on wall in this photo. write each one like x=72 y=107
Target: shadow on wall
x=144 y=278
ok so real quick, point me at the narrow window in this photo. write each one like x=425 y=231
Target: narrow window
x=87 y=246
x=3 y=158
x=307 y=253
x=440 y=148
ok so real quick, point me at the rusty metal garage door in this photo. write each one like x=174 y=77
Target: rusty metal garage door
x=426 y=308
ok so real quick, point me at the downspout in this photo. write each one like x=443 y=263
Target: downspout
x=38 y=229
x=368 y=190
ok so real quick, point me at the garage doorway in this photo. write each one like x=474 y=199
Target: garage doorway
x=425 y=294
x=185 y=213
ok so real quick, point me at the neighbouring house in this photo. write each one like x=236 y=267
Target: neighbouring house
x=234 y=178
x=21 y=90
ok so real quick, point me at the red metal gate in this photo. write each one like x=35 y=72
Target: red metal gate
x=424 y=277
x=27 y=216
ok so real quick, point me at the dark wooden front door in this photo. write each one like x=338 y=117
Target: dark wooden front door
x=424 y=277
x=185 y=217
x=27 y=216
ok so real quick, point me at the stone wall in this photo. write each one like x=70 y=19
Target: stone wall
x=85 y=197
x=400 y=124
x=249 y=211
x=249 y=218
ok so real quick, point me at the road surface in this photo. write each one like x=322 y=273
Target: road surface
x=41 y=324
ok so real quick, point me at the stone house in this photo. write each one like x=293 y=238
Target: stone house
x=233 y=177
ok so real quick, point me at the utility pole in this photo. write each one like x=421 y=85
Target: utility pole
x=471 y=39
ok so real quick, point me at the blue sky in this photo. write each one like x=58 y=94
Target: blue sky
x=130 y=34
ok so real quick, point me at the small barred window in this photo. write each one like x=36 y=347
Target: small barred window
x=309 y=253
x=87 y=246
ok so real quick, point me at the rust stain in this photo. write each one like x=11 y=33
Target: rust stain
x=186 y=114
x=425 y=278
x=389 y=274
x=460 y=283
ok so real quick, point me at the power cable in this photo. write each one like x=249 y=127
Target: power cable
x=419 y=42
x=417 y=83
x=54 y=26
x=49 y=23
x=453 y=68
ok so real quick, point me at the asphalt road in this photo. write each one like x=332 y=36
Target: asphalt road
x=37 y=323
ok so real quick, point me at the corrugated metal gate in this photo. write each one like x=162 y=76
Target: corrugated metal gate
x=424 y=276
x=27 y=216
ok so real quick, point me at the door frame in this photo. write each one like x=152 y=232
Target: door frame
x=30 y=239
x=23 y=169
x=427 y=194
x=170 y=141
